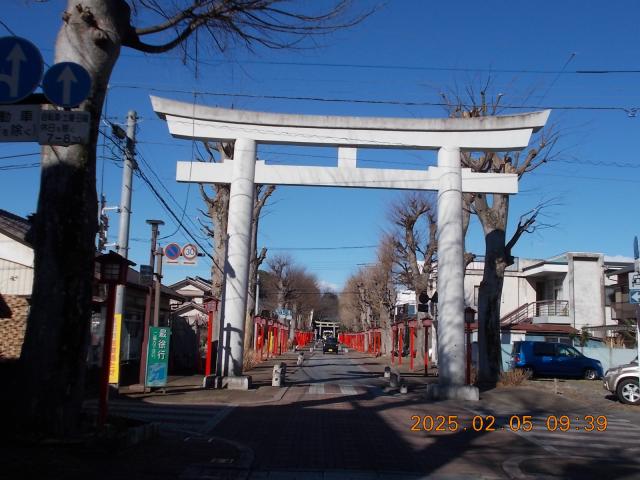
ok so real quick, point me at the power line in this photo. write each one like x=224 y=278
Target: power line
x=153 y=189
x=352 y=247
x=141 y=174
x=19 y=166
x=629 y=110
x=379 y=66
x=175 y=201
x=19 y=155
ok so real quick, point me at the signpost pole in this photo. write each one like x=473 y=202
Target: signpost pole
x=147 y=308
x=156 y=306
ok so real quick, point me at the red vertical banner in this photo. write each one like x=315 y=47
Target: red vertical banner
x=411 y=351
x=393 y=344
x=400 y=339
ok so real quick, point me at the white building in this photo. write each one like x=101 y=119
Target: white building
x=16 y=282
x=554 y=297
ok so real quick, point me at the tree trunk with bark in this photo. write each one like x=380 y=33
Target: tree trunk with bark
x=55 y=346
x=489 y=296
x=261 y=197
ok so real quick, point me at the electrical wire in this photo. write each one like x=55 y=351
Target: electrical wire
x=20 y=155
x=625 y=109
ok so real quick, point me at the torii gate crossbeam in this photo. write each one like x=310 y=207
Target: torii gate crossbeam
x=448 y=136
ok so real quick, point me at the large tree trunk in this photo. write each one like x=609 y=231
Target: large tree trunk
x=490 y=357
x=385 y=324
x=219 y=213
x=64 y=230
x=497 y=258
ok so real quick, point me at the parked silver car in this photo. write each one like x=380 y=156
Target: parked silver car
x=623 y=381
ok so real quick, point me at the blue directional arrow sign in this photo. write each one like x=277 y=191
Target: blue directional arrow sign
x=66 y=84
x=634 y=296
x=20 y=69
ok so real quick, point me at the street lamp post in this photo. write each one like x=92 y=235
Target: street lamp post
x=113 y=272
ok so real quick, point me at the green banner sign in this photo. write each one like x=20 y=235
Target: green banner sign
x=158 y=356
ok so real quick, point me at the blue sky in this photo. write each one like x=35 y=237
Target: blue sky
x=408 y=52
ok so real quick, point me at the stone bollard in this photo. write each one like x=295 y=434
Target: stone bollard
x=300 y=359
x=387 y=372
x=403 y=388
x=394 y=380
x=279 y=372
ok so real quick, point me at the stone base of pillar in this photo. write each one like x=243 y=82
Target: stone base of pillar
x=242 y=382
x=453 y=392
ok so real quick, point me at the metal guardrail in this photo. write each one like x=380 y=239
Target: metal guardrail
x=544 y=308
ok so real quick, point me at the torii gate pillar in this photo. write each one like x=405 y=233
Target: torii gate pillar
x=450 y=282
x=236 y=268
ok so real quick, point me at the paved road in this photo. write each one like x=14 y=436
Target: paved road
x=337 y=421
x=188 y=419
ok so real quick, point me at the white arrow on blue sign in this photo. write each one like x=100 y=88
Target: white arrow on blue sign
x=66 y=84
x=21 y=68
x=634 y=296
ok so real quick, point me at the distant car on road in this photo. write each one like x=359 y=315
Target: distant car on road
x=550 y=358
x=623 y=382
x=330 y=345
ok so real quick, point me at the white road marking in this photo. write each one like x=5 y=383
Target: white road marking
x=317 y=389
x=348 y=390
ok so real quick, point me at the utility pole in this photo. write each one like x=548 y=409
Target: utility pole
x=125 y=208
x=147 y=309
x=156 y=308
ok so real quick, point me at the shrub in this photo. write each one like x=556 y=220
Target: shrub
x=513 y=378
x=250 y=360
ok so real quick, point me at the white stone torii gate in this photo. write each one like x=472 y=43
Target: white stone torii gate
x=448 y=136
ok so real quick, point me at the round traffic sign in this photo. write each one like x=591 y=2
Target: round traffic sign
x=21 y=69
x=190 y=251
x=172 y=251
x=66 y=84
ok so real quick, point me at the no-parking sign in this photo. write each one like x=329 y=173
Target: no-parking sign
x=173 y=252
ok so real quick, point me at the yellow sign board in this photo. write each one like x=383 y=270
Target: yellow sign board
x=114 y=364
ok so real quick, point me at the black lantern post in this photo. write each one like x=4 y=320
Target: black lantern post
x=469 y=317
x=113 y=272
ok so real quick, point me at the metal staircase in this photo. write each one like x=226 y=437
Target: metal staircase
x=544 y=308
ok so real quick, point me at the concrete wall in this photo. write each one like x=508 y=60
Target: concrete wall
x=586 y=289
